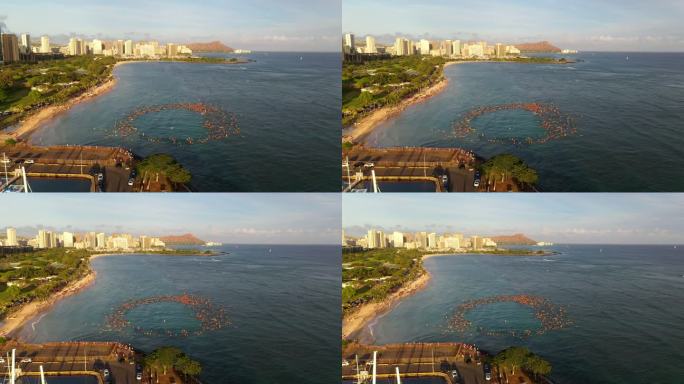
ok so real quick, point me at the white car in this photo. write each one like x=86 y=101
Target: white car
x=29 y=161
x=476 y=183
x=345 y=363
x=138 y=376
x=369 y=165
x=26 y=360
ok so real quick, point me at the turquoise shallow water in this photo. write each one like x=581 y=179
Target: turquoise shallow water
x=626 y=302
x=629 y=114
x=283 y=306
x=287 y=106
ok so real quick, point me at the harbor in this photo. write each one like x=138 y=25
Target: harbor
x=106 y=169
x=408 y=169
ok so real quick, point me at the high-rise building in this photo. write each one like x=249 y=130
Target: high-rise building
x=403 y=47
x=45 y=44
x=424 y=47
x=500 y=50
x=12 y=237
x=398 y=240
x=10 y=48
x=172 y=50
x=128 y=48
x=456 y=47
x=370 y=45
x=348 y=43
x=119 y=48
x=101 y=241
x=97 y=47
x=25 y=43
x=432 y=240
x=68 y=240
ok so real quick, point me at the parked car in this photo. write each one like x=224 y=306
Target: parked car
x=29 y=161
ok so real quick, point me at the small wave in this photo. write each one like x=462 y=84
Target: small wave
x=33 y=324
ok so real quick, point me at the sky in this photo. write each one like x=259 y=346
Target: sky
x=265 y=25
x=588 y=25
x=257 y=218
x=594 y=218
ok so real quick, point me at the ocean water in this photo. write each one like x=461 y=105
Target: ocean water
x=283 y=306
x=629 y=116
x=626 y=304
x=286 y=104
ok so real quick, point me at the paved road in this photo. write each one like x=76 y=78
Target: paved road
x=116 y=179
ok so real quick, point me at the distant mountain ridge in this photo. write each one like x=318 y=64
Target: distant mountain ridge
x=542 y=46
x=517 y=239
x=185 y=239
x=213 y=46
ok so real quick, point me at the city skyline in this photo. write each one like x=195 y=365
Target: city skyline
x=585 y=25
x=561 y=218
x=266 y=25
x=239 y=219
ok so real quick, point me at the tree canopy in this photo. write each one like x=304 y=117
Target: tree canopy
x=167 y=165
x=166 y=358
x=509 y=166
x=520 y=357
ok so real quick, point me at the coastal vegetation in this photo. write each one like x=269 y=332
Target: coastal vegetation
x=505 y=169
x=164 y=165
x=25 y=87
x=375 y=274
x=376 y=84
x=515 y=358
x=30 y=276
x=166 y=360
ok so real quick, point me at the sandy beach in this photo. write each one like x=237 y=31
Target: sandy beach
x=363 y=127
x=355 y=324
x=16 y=320
x=36 y=120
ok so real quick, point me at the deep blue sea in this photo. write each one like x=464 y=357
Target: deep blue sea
x=626 y=303
x=629 y=116
x=283 y=306
x=287 y=106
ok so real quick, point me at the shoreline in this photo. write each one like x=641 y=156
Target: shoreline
x=35 y=121
x=357 y=324
x=362 y=128
x=15 y=321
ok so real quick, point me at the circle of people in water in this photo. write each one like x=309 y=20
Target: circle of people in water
x=555 y=123
x=218 y=123
x=551 y=316
x=211 y=317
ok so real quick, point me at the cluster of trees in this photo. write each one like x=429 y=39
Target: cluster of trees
x=419 y=72
x=507 y=166
x=166 y=359
x=21 y=273
x=397 y=266
x=165 y=165
x=515 y=358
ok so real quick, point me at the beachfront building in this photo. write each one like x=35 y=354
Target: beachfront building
x=398 y=240
x=456 y=48
x=424 y=47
